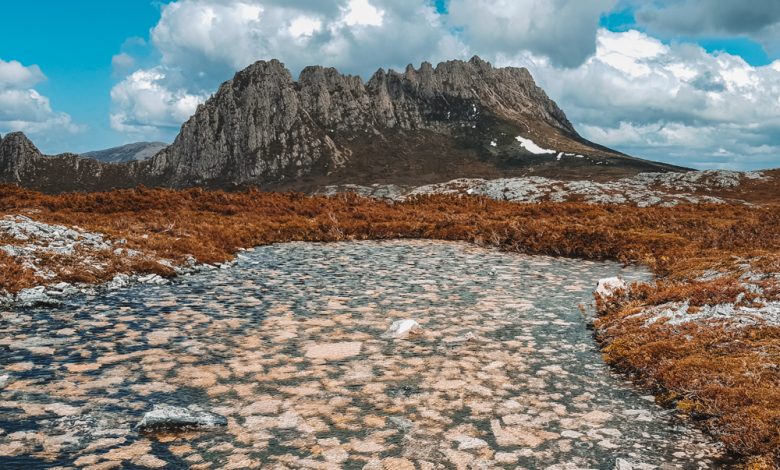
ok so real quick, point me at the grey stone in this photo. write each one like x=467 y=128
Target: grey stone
x=34 y=296
x=172 y=418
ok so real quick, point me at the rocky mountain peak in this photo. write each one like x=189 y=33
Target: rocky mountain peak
x=17 y=154
x=17 y=143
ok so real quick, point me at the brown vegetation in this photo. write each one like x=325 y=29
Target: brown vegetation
x=729 y=378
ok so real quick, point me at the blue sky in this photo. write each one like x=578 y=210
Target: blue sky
x=73 y=43
x=170 y=60
x=750 y=50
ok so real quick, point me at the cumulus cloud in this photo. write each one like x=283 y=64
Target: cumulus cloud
x=15 y=75
x=22 y=108
x=562 y=30
x=757 y=19
x=146 y=102
x=694 y=17
x=675 y=103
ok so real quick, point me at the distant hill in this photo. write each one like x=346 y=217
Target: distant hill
x=137 y=151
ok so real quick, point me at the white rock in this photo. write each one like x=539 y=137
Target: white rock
x=470 y=443
x=402 y=329
x=610 y=285
x=120 y=280
x=623 y=464
x=176 y=417
x=34 y=296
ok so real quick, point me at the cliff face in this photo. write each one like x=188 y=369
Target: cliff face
x=426 y=125
x=17 y=157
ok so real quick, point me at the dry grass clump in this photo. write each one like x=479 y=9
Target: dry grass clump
x=727 y=377
x=14 y=275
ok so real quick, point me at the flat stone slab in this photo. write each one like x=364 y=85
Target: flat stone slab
x=334 y=351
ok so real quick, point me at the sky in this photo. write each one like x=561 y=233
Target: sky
x=690 y=82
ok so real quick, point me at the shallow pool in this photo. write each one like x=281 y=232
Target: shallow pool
x=288 y=345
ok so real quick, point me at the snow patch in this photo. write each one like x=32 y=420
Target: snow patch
x=529 y=145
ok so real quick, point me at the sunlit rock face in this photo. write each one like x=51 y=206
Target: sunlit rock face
x=262 y=126
x=289 y=346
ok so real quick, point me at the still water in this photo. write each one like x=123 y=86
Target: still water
x=288 y=345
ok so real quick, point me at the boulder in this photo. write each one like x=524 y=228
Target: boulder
x=623 y=464
x=176 y=418
x=34 y=296
x=402 y=328
x=609 y=285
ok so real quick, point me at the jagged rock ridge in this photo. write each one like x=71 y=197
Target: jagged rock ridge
x=426 y=125
x=22 y=163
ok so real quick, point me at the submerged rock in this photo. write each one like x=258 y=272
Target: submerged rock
x=402 y=329
x=174 y=418
x=334 y=351
x=623 y=464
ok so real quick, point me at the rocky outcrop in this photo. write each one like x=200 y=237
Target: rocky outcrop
x=642 y=190
x=22 y=163
x=425 y=125
x=17 y=157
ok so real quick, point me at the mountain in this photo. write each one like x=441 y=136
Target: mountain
x=426 y=125
x=22 y=163
x=137 y=151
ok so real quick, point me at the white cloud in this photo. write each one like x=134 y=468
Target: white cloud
x=22 y=108
x=562 y=30
x=675 y=103
x=361 y=12
x=122 y=63
x=145 y=102
x=15 y=75
x=304 y=26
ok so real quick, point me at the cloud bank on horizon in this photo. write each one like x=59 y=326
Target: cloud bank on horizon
x=631 y=75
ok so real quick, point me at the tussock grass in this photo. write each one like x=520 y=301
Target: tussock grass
x=727 y=378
